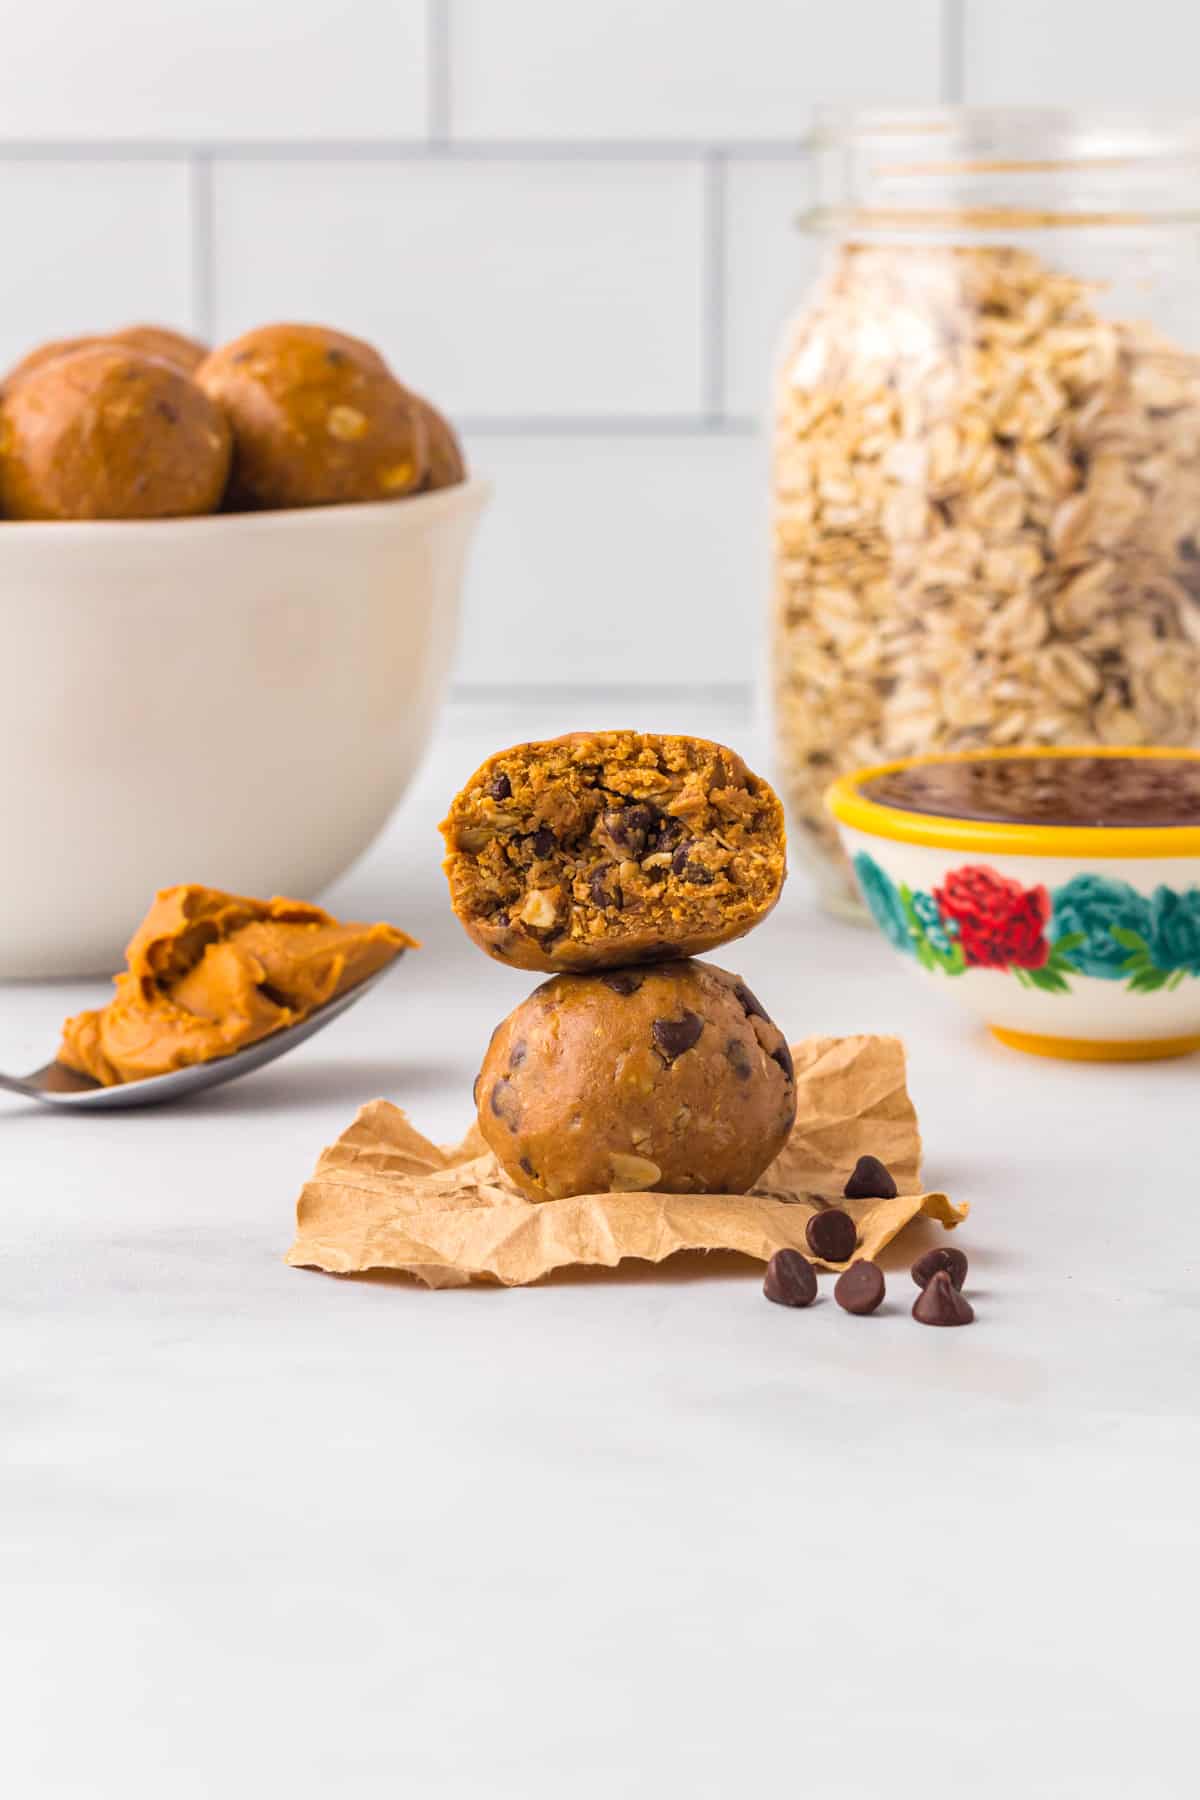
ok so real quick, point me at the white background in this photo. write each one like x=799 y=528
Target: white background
x=572 y=223
x=271 y=1533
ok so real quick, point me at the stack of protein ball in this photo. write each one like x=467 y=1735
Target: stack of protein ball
x=609 y=860
x=145 y=423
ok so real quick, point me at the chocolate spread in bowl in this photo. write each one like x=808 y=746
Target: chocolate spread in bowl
x=1048 y=790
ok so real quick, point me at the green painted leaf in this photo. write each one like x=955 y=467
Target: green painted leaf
x=1129 y=940
x=1175 y=980
x=1048 y=981
x=1070 y=940
x=1147 y=981
x=1139 y=960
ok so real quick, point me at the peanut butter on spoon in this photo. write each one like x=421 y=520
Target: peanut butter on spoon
x=210 y=973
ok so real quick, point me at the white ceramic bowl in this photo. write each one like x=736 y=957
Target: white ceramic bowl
x=238 y=700
x=1067 y=941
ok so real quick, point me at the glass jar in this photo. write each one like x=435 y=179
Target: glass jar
x=986 y=462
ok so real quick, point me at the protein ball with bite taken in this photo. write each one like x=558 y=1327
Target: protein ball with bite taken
x=667 y=1077
x=106 y=433
x=606 y=848
x=317 y=419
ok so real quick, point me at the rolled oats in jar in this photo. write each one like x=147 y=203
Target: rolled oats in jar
x=986 y=466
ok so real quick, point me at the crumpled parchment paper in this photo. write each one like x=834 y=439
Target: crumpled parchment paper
x=384 y=1197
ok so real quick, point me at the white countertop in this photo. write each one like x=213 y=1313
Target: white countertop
x=270 y=1533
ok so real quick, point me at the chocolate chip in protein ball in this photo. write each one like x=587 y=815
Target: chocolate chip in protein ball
x=500 y=788
x=749 y=1005
x=861 y=1288
x=940 y=1303
x=790 y=1279
x=623 y=981
x=952 y=1261
x=871 y=1180
x=505 y=1105
x=544 y=841
x=631 y=827
x=783 y=1057
x=598 y=886
x=673 y=1037
x=739 y=1059
x=831 y=1235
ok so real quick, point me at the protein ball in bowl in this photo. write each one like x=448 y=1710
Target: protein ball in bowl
x=50 y=351
x=174 y=347
x=317 y=419
x=447 y=465
x=106 y=433
x=669 y=1077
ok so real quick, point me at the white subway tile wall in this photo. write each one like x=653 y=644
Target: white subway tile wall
x=573 y=225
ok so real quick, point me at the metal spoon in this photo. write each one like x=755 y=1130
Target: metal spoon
x=57 y=1086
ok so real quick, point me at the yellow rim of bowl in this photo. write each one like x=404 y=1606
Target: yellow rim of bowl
x=850 y=806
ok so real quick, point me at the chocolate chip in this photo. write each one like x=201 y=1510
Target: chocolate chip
x=501 y=919
x=832 y=1235
x=169 y=413
x=602 y=894
x=940 y=1303
x=528 y=1167
x=861 y=1288
x=672 y=1037
x=953 y=1262
x=670 y=832
x=694 y=873
x=870 y=1181
x=739 y=1059
x=790 y=1279
x=475 y=1087
x=517 y=1054
x=500 y=788
x=783 y=1057
x=623 y=981
x=747 y=1002
x=505 y=1105
x=630 y=826
x=544 y=842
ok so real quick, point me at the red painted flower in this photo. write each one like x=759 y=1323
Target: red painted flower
x=1000 y=923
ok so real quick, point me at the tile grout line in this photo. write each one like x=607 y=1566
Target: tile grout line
x=200 y=197
x=438 y=100
x=418 y=149
x=713 y=278
x=953 y=74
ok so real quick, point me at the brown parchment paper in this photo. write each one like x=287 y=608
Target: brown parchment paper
x=384 y=1197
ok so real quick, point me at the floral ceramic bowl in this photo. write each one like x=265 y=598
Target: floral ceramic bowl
x=1068 y=939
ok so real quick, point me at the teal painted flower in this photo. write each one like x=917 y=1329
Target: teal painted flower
x=940 y=932
x=1094 y=908
x=881 y=895
x=1174 y=934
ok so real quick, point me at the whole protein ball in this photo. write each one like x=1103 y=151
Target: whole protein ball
x=669 y=1076
x=317 y=417
x=174 y=347
x=50 y=351
x=106 y=433
x=447 y=465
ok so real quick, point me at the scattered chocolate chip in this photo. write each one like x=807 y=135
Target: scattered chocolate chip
x=953 y=1262
x=500 y=788
x=517 y=1054
x=940 y=1303
x=528 y=1167
x=832 y=1234
x=544 y=841
x=860 y=1288
x=505 y=1105
x=336 y=357
x=475 y=1087
x=739 y=1059
x=672 y=1037
x=501 y=919
x=670 y=833
x=169 y=413
x=783 y=1057
x=630 y=826
x=747 y=1002
x=790 y=1279
x=870 y=1181
x=602 y=894
x=623 y=981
